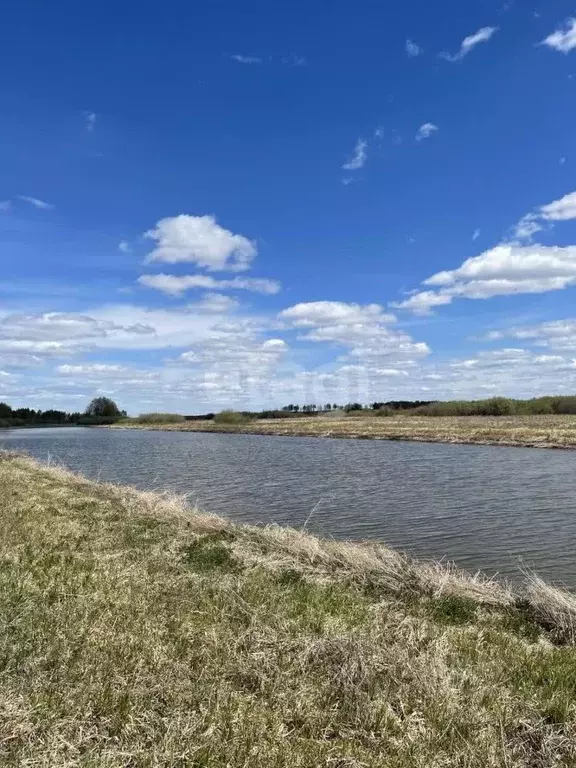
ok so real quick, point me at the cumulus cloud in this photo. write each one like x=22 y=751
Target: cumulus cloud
x=363 y=329
x=358 y=157
x=216 y=303
x=503 y=270
x=563 y=209
x=482 y=36
x=36 y=202
x=124 y=246
x=175 y=285
x=200 y=240
x=412 y=48
x=508 y=268
x=555 y=334
x=563 y=40
x=329 y=313
x=425 y=131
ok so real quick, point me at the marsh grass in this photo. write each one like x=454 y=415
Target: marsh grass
x=138 y=632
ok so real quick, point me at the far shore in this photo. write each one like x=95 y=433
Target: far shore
x=512 y=431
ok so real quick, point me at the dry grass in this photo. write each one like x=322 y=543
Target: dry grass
x=138 y=632
x=526 y=431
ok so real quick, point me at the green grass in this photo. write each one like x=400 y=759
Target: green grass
x=136 y=632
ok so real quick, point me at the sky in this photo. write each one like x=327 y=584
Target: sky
x=250 y=204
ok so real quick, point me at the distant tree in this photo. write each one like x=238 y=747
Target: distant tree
x=296 y=408
x=53 y=417
x=26 y=414
x=353 y=407
x=335 y=406
x=5 y=411
x=104 y=408
x=327 y=407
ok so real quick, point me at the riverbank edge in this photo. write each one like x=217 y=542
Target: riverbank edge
x=313 y=555
x=143 y=631
x=352 y=434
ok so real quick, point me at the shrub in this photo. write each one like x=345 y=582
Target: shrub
x=231 y=417
x=160 y=418
x=385 y=411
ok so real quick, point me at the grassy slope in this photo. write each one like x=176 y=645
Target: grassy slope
x=135 y=632
x=532 y=431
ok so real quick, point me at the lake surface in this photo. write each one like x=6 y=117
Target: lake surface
x=483 y=507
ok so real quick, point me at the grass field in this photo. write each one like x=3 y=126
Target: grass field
x=526 y=431
x=136 y=632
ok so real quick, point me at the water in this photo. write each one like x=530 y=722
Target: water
x=483 y=507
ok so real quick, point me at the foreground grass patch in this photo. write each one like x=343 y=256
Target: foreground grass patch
x=135 y=632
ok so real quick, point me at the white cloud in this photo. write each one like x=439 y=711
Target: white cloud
x=503 y=270
x=28 y=340
x=563 y=40
x=363 y=329
x=200 y=240
x=508 y=268
x=330 y=313
x=5 y=206
x=563 y=209
x=124 y=246
x=470 y=42
x=422 y=302
x=36 y=202
x=425 y=131
x=412 y=48
x=359 y=156
x=560 y=210
x=61 y=326
x=527 y=226
x=555 y=334
x=242 y=59
x=91 y=369
x=90 y=118
x=476 y=234
x=216 y=303
x=175 y=285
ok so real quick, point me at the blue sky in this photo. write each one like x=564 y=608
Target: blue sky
x=250 y=204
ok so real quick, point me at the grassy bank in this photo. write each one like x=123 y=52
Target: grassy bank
x=551 y=431
x=137 y=632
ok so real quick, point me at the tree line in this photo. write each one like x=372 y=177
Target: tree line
x=101 y=410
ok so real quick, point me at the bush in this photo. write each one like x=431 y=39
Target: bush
x=385 y=411
x=501 y=406
x=159 y=418
x=231 y=417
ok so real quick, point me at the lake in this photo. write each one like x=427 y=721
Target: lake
x=483 y=507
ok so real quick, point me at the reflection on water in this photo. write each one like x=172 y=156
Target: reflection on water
x=483 y=507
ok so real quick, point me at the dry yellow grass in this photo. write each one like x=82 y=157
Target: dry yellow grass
x=137 y=632
x=526 y=431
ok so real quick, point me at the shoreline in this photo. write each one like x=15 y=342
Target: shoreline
x=543 y=432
